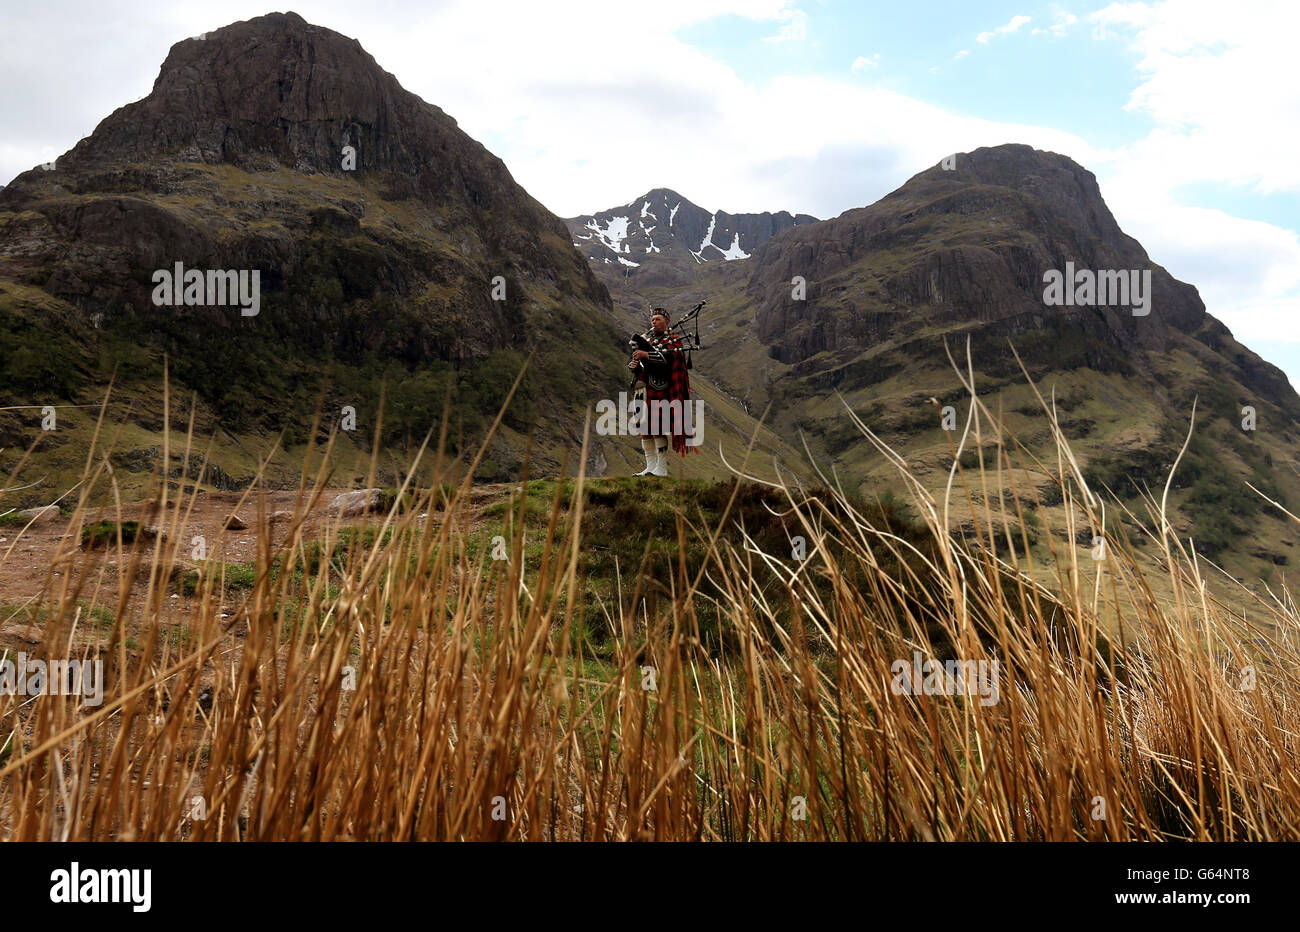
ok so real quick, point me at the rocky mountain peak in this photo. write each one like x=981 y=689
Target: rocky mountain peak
x=1057 y=183
x=661 y=235
x=276 y=91
x=422 y=251
x=966 y=244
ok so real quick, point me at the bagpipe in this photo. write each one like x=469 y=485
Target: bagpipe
x=690 y=341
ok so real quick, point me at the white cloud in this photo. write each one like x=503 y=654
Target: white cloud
x=677 y=118
x=1221 y=90
x=1064 y=20
x=862 y=63
x=1012 y=26
x=1222 y=94
x=960 y=55
x=795 y=29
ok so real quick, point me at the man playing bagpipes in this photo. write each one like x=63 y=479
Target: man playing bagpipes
x=659 y=367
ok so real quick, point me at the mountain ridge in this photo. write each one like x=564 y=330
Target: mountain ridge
x=386 y=273
x=1042 y=211
x=660 y=235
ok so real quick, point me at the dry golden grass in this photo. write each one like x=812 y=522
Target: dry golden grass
x=412 y=688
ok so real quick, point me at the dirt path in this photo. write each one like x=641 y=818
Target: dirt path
x=36 y=564
x=44 y=563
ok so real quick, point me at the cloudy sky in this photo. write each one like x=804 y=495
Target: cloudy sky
x=1185 y=110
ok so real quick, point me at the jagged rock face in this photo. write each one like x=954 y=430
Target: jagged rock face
x=273 y=94
x=277 y=90
x=972 y=245
x=660 y=236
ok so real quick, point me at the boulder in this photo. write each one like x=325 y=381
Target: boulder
x=360 y=502
x=42 y=515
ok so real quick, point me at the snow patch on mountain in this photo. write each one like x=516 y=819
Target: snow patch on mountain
x=613 y=234
x=734 y=252
x=708 y=236
x=616 y=231
x=627 y=262
x=647 y=231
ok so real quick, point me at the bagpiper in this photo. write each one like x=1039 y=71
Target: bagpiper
x=659 y=366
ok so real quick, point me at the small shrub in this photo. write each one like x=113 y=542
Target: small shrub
x=105 y=533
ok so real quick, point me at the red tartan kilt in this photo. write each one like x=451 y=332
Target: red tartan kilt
x=679 y=387
x=661 y=426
